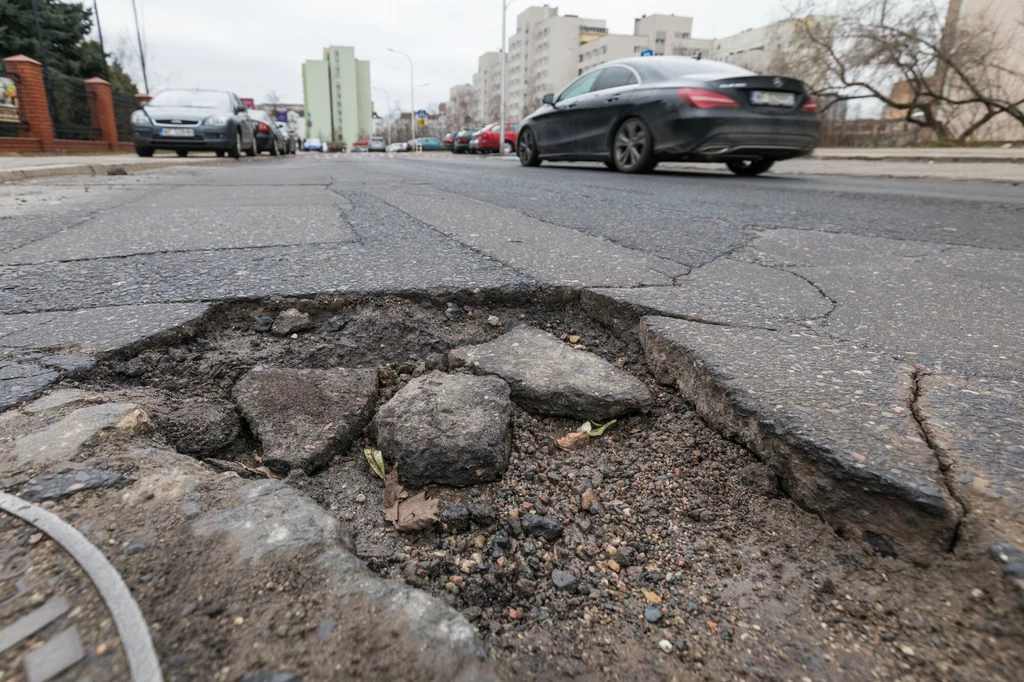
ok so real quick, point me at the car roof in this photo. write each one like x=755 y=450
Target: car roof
x=655 y=67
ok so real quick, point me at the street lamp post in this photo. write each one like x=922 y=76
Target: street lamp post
x=501 y=121
x=388 y=98
x=412 y=89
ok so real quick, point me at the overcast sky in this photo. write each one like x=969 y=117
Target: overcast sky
x=254 y=46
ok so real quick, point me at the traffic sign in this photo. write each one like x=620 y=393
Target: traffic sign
x=422 y=113
x=423 y=122
x=647 y=53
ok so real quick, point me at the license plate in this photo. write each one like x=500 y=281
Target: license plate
x=177 y=132
x=770 y=98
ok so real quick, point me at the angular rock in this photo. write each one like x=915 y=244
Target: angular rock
x=449 y=429
x=198 y=426
x=563 y=580
x=291 y=321
x=548 y=377
x=21 y=382
x=270 y=516
x=64 y=439
x=831 y=417
x=303 y=417
x=58 y=486
x=456 y=518
x=542 y=527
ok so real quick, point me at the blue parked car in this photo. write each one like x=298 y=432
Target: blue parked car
x=427 y=144
x=314 y=144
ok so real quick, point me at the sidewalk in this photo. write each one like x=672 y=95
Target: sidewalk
x=26 y=167
x=937 y=154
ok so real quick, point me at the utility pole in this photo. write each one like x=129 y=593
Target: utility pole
x=412 y=90
x=142 y=53
x=501 y=113
x=103 y=52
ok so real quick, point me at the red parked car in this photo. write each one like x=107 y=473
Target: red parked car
x=487 y=138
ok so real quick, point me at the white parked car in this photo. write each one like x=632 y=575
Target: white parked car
x=398 y=147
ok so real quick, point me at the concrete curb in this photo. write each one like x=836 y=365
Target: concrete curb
x=915 y=158
x=32 y=172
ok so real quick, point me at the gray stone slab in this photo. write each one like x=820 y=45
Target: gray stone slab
x=57 y=655
x=955 y=310
x=978 y=426
x=724 y=292
x=33 y=622
x=548 y=376
x=23 y=381
x=57 y=486
x=448 y=429
x=58 y=399
x=832 y=418
x=63 y=440
x=10 y=324
x=106 y=329
x=270 y=516
x=303 y=417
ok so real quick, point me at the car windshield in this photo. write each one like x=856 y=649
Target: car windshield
x=199 y=99
x=376 y=139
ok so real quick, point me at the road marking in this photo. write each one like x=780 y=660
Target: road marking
x=32 y=623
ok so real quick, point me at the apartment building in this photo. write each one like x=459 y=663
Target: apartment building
x=336 y=92
x=462 y=106
x=775 y=48
x=548 y=51
x=1004 y=18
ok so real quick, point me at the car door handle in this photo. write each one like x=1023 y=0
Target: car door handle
x=571 y=106
x=613 y=99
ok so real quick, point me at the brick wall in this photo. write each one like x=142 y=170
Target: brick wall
x=32 y=105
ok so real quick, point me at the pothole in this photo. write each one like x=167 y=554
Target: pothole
x=665 y=549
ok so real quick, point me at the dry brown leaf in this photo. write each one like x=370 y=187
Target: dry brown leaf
x=573 y=440
x=407 y=513
x=417 y=513
x=651 y=597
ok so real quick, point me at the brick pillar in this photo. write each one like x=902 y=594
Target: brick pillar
x=142 y=97
x=101 y=107
x=35 y=111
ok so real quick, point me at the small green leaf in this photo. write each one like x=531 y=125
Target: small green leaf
x=596 y=430
x=375 y=458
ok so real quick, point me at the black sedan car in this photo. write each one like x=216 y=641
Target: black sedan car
x=269 y=137
x=460 y=145
x=633 y=113
x=193 y=120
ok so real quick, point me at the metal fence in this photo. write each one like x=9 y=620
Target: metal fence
x=10 y=119
x=124 y=105
x=69 y=107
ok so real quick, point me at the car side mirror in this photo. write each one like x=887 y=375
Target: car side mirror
x=549 y=99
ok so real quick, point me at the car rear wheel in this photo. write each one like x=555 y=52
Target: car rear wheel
x=273 y=148
x=220 y=153
x=749 y=168
x=144 y=151
x=528 y=155
x=254 y=150
x=236 y=151
x=633 y=147
x=181 y=152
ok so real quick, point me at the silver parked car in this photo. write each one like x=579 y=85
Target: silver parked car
x=376 y=144
x=194 y=120
x=291 y=138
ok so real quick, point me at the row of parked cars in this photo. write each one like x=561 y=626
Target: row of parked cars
x=482 y=140
x=208 y=120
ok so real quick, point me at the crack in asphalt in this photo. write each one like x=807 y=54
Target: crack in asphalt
x=945 y=462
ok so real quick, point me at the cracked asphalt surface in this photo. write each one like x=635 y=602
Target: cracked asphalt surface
x=928 y=274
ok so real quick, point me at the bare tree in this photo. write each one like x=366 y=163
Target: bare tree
x=461 y=108
x=272 y=98
x=941 y=71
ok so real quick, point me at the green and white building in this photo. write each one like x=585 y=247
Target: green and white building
x=336 y=92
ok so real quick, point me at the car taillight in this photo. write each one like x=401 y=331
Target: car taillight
x=706 y=99
x=263 y=128
x=810 y=106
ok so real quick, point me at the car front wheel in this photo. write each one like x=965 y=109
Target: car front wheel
x=749 y=168
x=528 y=154
x=253 y=150
x=236 y=151
x=144 y=151
x=273 y=148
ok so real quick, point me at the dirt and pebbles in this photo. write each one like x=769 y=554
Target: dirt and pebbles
x=662 y=551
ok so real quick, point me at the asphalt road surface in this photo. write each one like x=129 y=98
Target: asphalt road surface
x=927 y=272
